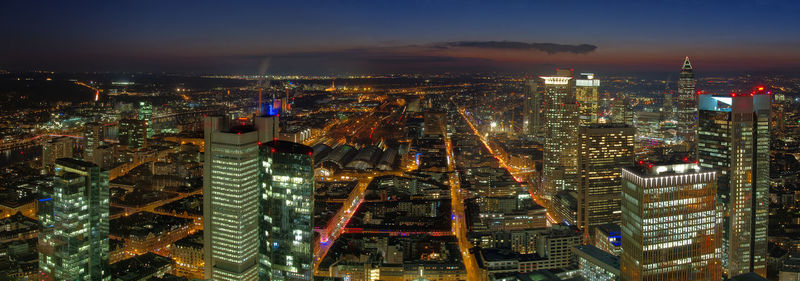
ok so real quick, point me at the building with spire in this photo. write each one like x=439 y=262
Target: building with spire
x=687 y=107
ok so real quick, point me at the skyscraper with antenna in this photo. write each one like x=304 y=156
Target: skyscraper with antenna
x=687 y=106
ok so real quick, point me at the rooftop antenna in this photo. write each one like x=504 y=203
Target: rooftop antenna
x=262 y=70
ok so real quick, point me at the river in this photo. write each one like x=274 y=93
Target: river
x=12 y=156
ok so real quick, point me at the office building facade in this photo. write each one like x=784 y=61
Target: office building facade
x=670 y=228
x=287 y=187
x=733 y=138
x=560 y=163
x=587 y=90
x=74 y=224
x=231 y=196
x=604 y=150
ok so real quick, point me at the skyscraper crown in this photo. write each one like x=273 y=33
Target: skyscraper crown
x=686 y=64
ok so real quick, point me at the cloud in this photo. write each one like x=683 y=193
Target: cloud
x=550 y=48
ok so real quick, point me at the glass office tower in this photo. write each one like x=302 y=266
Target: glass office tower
x=73 y=215
x=733 y=138
x=670 y=227
x=286 y=204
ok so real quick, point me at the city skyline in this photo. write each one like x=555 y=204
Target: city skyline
x=400 y=140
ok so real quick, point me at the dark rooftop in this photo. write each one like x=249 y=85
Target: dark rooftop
x=289 y=147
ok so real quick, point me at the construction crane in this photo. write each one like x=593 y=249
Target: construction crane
x=96 y=90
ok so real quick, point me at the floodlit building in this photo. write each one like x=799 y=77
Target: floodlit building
x=733 y=138
x=669 y=227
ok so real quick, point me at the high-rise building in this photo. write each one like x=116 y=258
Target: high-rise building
x=73 y=216
x=587 y=90
x=733 y=138
x=533 y=108
x=560 y=163
x=231 y=196
x=621 y=113
x=60 y=147
x=146 y=115
x=670 y=227
x=133 y=132
x=604 y=150
x=687 y=106
x=93 y=137
x=287 y=188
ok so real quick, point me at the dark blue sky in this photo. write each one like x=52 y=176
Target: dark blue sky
x=397 y=36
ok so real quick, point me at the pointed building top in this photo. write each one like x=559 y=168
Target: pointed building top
x=686 y=64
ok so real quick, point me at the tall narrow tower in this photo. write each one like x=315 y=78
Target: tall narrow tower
x=733 y=138
x=231 y=196
x=604 y=149
x=687 y=106
x=560 y=169
x=533 y=115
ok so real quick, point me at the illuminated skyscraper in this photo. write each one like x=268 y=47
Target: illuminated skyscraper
x=586 y=93
x=287 y=187
x=73 y=242
x=60 y=147
x=560 y=171
x=93 y=137
x=534 y=118
x=604 y=150
x=146 y=115
x=231 y=196
x=670 y=229
x=687 y=106
x=733 y=138
x=133 y=132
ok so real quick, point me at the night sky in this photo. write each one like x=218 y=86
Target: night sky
x=337 y=37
